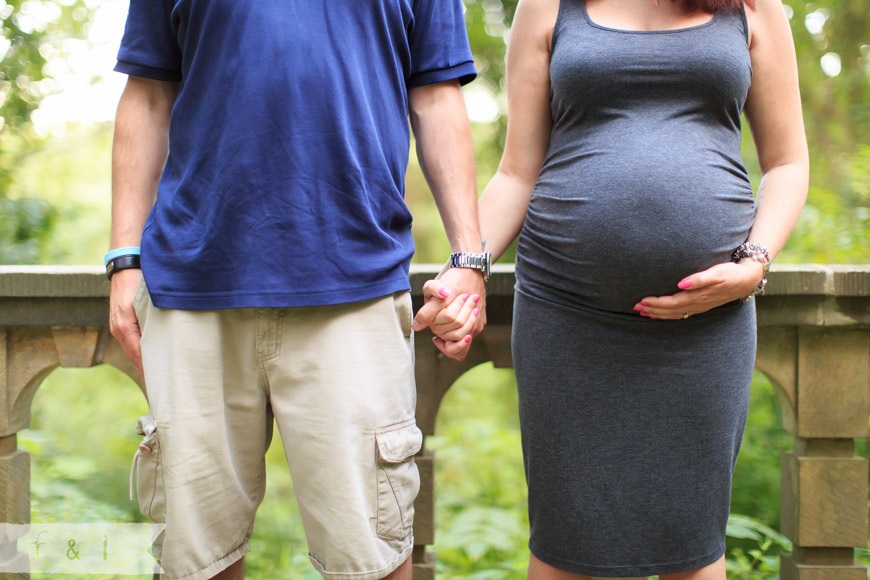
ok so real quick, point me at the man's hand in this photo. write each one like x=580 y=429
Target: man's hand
x=123 y=323
x=705 y=290
x=454 y=309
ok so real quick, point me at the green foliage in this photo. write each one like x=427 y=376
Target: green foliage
x=761 y=560
x=27 y=223
x=835 y=224
x=32 y=37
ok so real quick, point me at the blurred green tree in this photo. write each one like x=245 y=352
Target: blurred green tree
x=32 y=37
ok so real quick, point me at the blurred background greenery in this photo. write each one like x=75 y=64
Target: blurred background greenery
x=57 y=97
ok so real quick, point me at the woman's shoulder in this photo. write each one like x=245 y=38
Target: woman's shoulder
x=539 y=8
x=763 y=16
x=538 y=17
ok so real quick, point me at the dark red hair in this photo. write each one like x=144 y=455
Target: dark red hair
x=713 y=5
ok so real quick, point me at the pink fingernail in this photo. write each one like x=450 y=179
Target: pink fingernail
x=645 y=304
x=467 y=339
x=476 y=298
x=645 y=314
x=476 y=311
x=444 y=292
x=637 y=308
x=464 y=297
x=684 y=283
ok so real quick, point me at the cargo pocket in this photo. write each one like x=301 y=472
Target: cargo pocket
x=398 y=478
x=147 y=471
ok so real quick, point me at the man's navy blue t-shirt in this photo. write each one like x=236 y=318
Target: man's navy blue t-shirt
x=288 y=144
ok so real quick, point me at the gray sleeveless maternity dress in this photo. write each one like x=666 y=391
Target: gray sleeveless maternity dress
x=631 y=426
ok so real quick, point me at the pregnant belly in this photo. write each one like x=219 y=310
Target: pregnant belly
x=607 y=245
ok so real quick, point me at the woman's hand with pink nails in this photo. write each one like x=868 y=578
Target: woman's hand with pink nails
x=457 y=317
x=704 y=291
x=457 y=320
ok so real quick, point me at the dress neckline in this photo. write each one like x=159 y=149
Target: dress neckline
x=627 y=31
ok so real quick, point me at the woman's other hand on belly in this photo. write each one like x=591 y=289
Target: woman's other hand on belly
x=704 y=291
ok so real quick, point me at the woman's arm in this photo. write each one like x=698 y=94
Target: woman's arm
x=773 y=108
x=502 y=207
x=505 y=199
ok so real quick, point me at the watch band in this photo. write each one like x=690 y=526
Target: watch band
x=118 y=252
x=482 y=262
x=125 y=262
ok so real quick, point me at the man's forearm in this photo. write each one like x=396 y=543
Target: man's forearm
x=139 y=151
x=446 y=155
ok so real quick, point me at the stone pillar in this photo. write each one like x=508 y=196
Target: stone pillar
x=23 y=363
x=824 y=485
x=14 y=502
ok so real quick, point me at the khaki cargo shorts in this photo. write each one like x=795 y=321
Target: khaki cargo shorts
x=338 y=381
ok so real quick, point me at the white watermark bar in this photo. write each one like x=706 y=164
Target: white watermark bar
x=123 y=549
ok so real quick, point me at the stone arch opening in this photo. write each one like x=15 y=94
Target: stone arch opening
x=81 y=441
x=481 y=508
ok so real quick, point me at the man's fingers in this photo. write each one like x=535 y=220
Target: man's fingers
x=126 y=331
x=427 y=314
x=434 y=293
x=435 y=289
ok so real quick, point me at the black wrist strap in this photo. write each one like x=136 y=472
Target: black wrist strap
x=122 y=263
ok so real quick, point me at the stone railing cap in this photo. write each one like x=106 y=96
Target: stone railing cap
x=90 y=281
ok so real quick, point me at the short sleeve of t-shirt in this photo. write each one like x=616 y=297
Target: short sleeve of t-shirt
x=149 y=47
x=439 y=44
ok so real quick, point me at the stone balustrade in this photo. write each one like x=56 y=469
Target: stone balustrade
x=813 y=344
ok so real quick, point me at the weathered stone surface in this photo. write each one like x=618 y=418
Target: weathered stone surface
x=777 y=359
x=791 y=570
x=424 y=568
x=833 y=390
x=76 y=345
x=53 y=282
x=424 y=505
x=109 y=351
x=15 y=488
x=30 y=357
x=824 y=501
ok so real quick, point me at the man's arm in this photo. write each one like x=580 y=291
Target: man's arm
x=139 y=152
x=444 y=148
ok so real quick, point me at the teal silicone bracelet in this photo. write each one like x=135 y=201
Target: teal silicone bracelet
x=128 y=251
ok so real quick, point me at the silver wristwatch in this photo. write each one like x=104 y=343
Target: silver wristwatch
x=482 y=262
x=758 y=253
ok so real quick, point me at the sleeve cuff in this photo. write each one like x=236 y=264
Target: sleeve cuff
x=148 y=72
x=463 y=72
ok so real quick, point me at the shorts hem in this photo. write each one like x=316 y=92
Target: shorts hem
x=213 y=568
x=365 y=575
x=626 y=571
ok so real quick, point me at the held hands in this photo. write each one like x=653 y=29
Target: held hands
x=454 y=309
x=705 y=290
x=123 y=323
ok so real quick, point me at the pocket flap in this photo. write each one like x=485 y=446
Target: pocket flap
x=146 y=425
x=396 y=444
